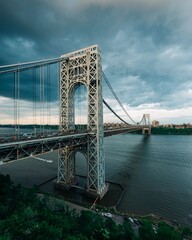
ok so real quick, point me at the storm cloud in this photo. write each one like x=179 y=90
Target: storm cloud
x=146 y=45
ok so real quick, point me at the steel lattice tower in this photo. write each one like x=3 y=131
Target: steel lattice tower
x=83 y=67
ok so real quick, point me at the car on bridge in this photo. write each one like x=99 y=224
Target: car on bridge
x=27 y=135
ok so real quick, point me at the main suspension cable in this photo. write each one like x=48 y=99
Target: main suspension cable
x=116 y=97
x=107 y=105
x=29 y=65
x=34 y=62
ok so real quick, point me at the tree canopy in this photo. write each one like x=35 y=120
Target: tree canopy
x=27 y=215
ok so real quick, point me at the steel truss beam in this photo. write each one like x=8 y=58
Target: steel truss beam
x=19 y=150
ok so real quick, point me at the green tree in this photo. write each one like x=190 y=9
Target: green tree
x=5 y=187
x=116 y=232
x=77 y=237
x=91 y=225
x=167 y=232
x=186 y=232
x=45 y=231
x=146 y=232
x=5 y=237
x=111 y=226
x=127 y=231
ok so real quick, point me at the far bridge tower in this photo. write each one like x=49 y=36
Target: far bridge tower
x=146 y=123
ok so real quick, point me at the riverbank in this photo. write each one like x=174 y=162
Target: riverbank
x=77 y=194
x=78 y=200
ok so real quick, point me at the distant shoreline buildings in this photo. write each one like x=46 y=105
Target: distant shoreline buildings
x=156 y=123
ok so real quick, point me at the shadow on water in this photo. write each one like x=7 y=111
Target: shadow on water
x=155 y=181
x=134 y=160
x=130 y=176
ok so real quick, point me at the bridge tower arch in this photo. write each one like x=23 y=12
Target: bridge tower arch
x=84 y=67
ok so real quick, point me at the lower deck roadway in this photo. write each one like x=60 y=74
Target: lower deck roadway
x=31 y=147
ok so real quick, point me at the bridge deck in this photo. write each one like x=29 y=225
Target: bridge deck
x=14 y=150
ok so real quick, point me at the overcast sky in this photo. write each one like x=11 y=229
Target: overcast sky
x=146 y=47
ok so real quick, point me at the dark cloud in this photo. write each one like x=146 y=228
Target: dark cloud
x=146 y=45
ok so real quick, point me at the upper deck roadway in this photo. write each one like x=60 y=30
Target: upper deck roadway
x=13 y=150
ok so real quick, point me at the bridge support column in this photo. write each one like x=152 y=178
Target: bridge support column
x=83 y=67
x=66 y=168
x=96 y=167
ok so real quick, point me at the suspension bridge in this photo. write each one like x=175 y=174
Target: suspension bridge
x=41 y=84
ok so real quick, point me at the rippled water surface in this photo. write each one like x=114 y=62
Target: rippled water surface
x=155 y=170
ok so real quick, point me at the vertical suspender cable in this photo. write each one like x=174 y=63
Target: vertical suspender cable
x=43 y=98
x=33 y=96
x=18 y=103
x=80 y=106
x=40 y=93
x=34 y=100
x=46 y=98
x=58 y=91
x=78 y=101
x=49 y=92
x=48 y=95
x=77 y=105
x=15 y=101
x=76 y=93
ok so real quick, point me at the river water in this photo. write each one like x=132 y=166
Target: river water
x=155 y=170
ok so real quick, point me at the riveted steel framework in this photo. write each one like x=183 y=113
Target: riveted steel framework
x=83 y=67
x=11 y=151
